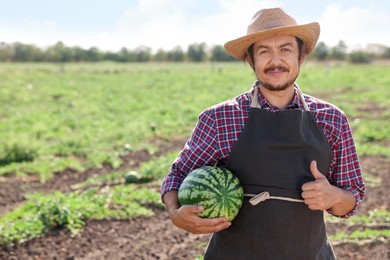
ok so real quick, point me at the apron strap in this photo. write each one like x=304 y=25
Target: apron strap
x=299 y=91
x=255 y=94
x=263 y=196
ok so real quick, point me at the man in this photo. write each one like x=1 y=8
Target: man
x=297 y=148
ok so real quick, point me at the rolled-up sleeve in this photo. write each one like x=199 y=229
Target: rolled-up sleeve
x=199 y=150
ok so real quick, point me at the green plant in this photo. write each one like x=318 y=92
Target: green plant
x=376 y=224
x=359 y=57
x=360 y=235
x=86 y=114
x=157 y=168
x=42 y=213
x=16 y=153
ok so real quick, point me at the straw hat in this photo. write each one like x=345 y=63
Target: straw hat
x=273 y=22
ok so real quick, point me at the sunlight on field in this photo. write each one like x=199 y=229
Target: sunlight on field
x=84 y=114
x=87 y=116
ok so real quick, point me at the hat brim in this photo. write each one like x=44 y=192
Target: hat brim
x=308 y=33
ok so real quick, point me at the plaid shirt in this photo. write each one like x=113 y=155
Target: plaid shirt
x=219 y=127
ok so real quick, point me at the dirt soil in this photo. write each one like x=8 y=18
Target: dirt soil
x=155 y=237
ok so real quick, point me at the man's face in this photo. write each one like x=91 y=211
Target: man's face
x=276 y=62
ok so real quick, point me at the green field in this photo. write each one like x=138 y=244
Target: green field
x=81 y=116
x=85 y=115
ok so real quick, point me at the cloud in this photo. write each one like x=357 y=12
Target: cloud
x=153 y=25
x=356 y=26
x=44 y=33
x=230 y=22
x=31 y=31
x=168 y=23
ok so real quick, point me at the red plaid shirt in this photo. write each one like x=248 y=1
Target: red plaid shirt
x=219 y=127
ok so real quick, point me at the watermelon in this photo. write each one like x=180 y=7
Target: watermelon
x=131 y=177
x=214 y=188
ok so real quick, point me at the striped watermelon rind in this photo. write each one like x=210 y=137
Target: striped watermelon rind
x=214 y=188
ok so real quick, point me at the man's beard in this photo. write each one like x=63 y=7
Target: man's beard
x=280 y=87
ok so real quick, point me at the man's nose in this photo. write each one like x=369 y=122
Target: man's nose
x=275 y=57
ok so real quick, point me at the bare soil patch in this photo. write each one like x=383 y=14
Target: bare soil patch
x=155 y=237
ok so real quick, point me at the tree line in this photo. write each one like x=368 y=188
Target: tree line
x=196 y=52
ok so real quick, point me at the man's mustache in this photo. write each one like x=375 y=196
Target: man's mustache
x=280 y=68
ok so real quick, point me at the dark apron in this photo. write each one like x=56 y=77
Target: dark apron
x=273 y=154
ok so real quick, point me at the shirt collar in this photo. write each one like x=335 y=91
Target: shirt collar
x=265 y=104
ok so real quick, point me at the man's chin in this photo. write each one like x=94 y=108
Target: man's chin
x=276 y=87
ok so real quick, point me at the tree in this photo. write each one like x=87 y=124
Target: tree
x=59 y=53
x=25 y=52
x=93 y=54
x=359 y=57
x=5 y=51
x=218 y=53
x=78 y=54
x=161 y=55
x=386 y=54
x=124 y=55
x=142 y=54
x=339 y=51
x=196 y=52
x=176 y=54
x=375 y=50
x=321 y=51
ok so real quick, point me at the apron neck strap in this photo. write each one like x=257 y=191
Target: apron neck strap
x=255 y=96
x=301 y=97
x=256 y=104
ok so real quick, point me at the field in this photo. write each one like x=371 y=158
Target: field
x=71 y=133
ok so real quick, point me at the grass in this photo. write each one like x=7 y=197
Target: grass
x=374 y=217
x=42 y=213
x=361 y=236
x=373 y=225
x=86 y=115
x=102 y=197
x=153 y=170
x=90 y=113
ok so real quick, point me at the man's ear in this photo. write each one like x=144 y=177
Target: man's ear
x=249 y=59
x=301 y=60
x=302 y=55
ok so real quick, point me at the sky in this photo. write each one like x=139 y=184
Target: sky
x=112 y=24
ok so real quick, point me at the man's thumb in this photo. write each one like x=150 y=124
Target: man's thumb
x=316 y=173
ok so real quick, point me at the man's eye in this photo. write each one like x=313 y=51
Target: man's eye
x=263 y=51
x=286 y=50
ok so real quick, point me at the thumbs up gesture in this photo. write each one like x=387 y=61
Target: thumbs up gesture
x=316 y=173
x=319 y=194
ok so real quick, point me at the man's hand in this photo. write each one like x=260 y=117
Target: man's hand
x=319 y=194
x=185 y=217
